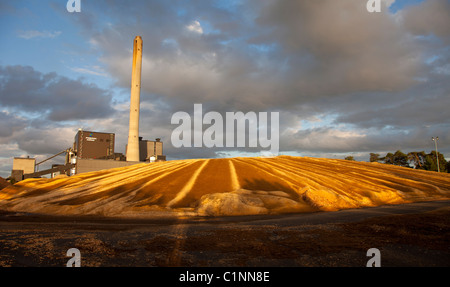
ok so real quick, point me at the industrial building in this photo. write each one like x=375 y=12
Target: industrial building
x=92 y=150
x=151 y=151
x=22 y=166
x=97 y=145
x=95 y=151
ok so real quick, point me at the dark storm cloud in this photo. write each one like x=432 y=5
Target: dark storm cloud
x=26 y=90
x=330 y=140
x=423 y=105
x=430 y=18
x=46 y=140
x=32 y=136
x=378 y=74
x=281 y=55
x=180 y=65
x=335 y=47
x=10 y=124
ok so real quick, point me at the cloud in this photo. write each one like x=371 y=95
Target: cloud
x=91 y=70
x=329 y=140
x=58 y=98
x=302 y=58
x=419 y=106
x=388 y=3
x=45 y=140
x=9 y=124
x=344 y=80
x=334 y=47
x=285 y=55
x=30 y=34
x=195 y=27
x=432 y=17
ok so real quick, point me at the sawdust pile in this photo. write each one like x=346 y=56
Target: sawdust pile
x=231 y=186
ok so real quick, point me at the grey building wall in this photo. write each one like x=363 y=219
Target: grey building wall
x=148 y=149
x=88 y=165
x=25 y=164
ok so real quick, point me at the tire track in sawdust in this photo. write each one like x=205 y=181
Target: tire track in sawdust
x=235 y=185
x=188 y=186
x=180 y=230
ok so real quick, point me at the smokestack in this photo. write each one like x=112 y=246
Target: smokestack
x=133 y=132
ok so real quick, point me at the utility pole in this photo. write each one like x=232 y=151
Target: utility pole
x=437 y=156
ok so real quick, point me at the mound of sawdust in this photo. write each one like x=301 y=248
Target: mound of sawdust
x=247 y=202
x=232 y=186
x=3 y=183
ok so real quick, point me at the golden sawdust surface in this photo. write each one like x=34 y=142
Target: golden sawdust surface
x=227 y=186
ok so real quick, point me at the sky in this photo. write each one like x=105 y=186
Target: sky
x=344 y=81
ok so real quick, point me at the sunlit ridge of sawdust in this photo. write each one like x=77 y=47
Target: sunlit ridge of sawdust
x=227 y=186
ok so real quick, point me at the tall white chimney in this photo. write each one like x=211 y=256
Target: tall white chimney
x=133 y=132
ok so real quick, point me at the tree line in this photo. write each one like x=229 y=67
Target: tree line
x=414 y=159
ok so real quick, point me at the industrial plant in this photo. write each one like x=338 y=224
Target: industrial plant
x=94 y=150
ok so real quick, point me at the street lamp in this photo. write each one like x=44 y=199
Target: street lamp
x=437 y=157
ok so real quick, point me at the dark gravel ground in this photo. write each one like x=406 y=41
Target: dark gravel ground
x=416 y=234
